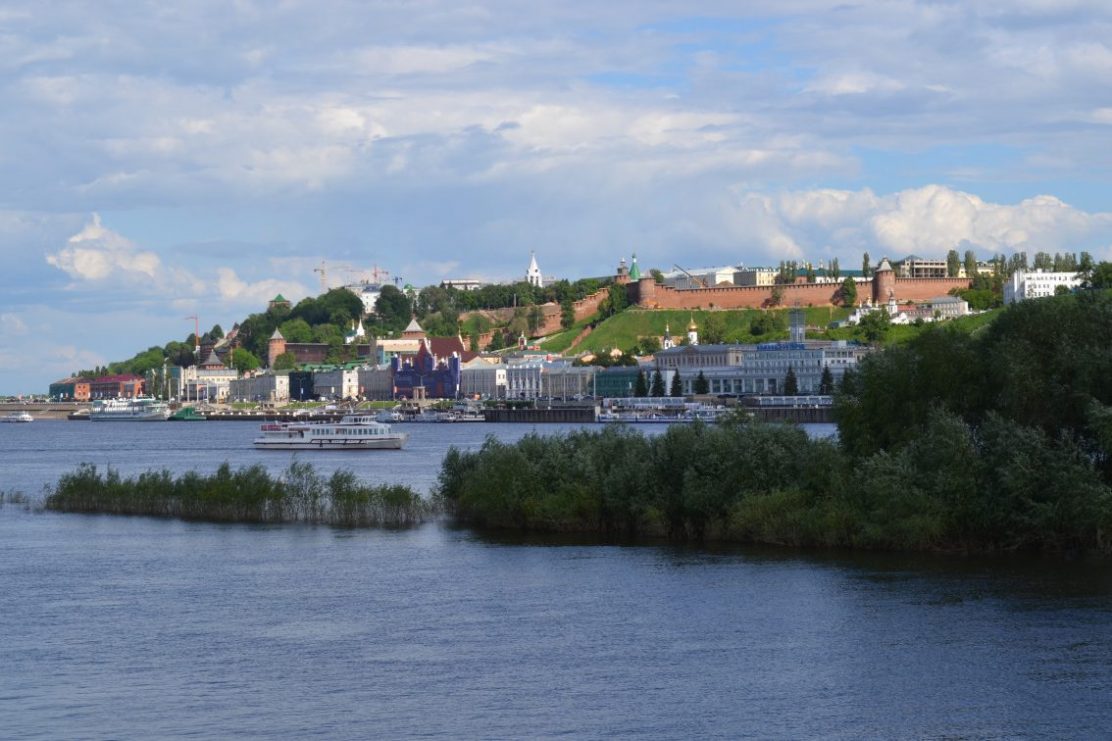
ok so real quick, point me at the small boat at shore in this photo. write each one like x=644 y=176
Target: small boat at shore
x=20 y=417
x=352 y=432
x=188 y=414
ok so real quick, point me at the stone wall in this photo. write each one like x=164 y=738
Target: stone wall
x=650 y=295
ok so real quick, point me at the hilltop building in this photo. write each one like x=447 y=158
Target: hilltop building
x=1025 y=284
x=533 y=274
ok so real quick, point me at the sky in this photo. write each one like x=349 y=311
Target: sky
x=160 y=160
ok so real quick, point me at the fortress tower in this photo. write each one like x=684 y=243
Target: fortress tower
x=884 y=282
x=275 y=346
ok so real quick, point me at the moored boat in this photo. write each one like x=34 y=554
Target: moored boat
x=137 y=409
x=188 y=414
x=352 y=432
x=17 y=417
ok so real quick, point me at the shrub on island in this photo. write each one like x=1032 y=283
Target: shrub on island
x=249 y=494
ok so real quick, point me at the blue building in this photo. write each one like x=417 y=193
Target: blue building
x=425 y=375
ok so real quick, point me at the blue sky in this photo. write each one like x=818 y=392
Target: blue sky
x=160 y=160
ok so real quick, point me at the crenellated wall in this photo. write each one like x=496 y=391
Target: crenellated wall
x=650 y=295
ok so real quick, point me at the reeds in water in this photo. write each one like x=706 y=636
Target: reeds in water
x=249 y=494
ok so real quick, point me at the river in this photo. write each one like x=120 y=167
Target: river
x=145 y=628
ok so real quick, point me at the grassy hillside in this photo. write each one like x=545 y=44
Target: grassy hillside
x=627 y=328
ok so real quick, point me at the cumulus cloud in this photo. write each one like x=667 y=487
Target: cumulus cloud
x=928 y=221
x=236 y=290
x=96 y=253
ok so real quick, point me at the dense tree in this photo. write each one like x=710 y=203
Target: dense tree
x=641 y=387
x=658 y=277
x=285 y=361
x=835 y=271
x=848 y=292
x=296 y=330
x=676 y=388
x=766 y=322
x=866 y=266
x=617 y=301
x=1043 y=261
x=1101 y=276
x=701 y=384
x=953 y=264
x=791 y=383
x=393 y=309
x=657 y=387
x=970 y=264
x=713 y=331
x=243 y=360
x=567 y=313
x=826 y=381
x=535 y=319
x=873 y=327
x=776 y=296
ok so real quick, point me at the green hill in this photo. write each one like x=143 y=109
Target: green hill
x=630 y=327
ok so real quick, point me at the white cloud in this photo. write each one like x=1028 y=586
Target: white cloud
x=238 y=291
x=12 y=325
x=97 y=253
x=928 y=221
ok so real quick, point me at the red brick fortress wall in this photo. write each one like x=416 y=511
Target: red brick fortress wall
x=649 y=295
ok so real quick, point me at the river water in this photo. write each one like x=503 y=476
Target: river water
x=145 y=628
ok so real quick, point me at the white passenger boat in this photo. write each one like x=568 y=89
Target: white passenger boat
x=352 y=432
x=17 y=417
x=137 y=409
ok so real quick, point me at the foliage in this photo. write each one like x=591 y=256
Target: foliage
x=285 y=361
x=676 y=389
x=701 y=385
x=873 y=327
x=849 y=292
x=243 y=360
x=791 y=383
x=641 y=387
x=948 y=488
x=657 y=387
x=248 y=494
x=826 y=381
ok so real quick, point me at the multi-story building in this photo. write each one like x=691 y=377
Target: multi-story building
x=272 y=387
x=338 y=383
x=1025 y=284
x=755 y=276
x=760 y=369
x=376 y=382
x=116 y=387
x=70 y=389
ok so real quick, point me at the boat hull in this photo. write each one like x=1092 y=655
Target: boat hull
x=109 y=417
x=385 y=443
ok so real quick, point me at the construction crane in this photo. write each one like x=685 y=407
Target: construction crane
x=699 y=281
x=323 y=270
x=196 y=335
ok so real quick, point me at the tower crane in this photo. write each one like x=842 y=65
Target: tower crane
x=323 y=270
x=698 y=281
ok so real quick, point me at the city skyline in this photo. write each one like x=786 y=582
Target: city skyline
x=164 y=162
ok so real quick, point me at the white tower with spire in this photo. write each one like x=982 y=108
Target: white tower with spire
x=533 y=274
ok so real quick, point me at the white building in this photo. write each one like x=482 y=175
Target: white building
x=760 y=369
x=263 y=387
x=1025 y=284
x=336 y=384
x=462 y=284
x=481 y=378
x=533 y=274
